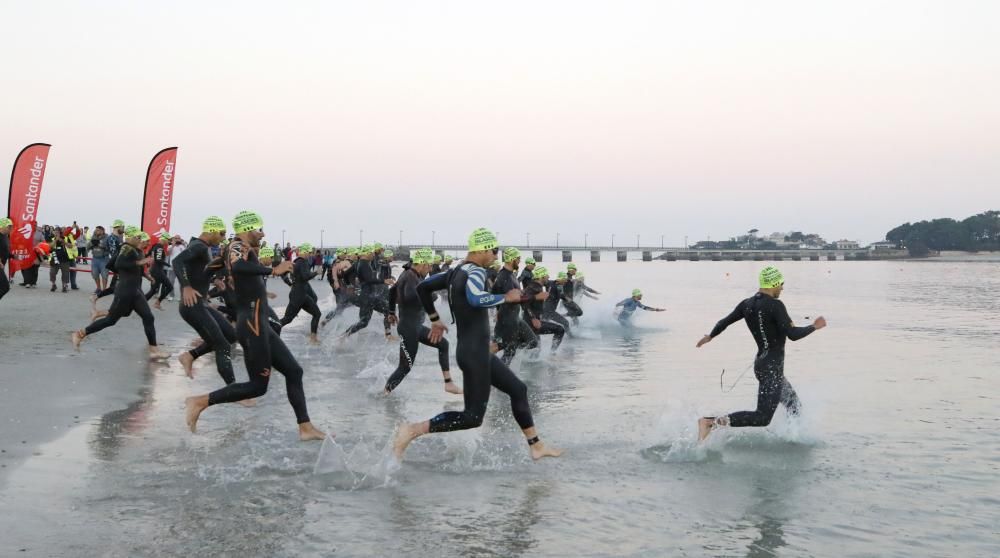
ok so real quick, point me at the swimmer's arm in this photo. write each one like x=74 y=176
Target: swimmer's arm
x=426 y=289
x=181 y=267
x=787 y=327
x=733 y=317
x=476 y=293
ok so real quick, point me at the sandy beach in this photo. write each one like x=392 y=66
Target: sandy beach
x=46 y=388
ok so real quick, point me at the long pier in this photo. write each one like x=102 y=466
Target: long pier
x=651 y=253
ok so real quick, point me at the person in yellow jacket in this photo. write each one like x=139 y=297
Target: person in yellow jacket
x=74 y=254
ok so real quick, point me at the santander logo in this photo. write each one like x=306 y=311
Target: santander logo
x=25 y=231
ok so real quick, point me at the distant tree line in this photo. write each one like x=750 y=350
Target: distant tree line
x=976 y=233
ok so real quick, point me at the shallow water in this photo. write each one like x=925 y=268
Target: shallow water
x=897 y=452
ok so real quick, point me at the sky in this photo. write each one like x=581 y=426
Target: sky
x=663 y=119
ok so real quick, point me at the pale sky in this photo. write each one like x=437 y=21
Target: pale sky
x=700 y=118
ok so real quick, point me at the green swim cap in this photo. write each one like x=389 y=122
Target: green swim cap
x=341 y=251
x=377 y=246
x=571 y=265
x=305 y=248
x=636 y=292
x=448 y=259
x=422 y=256
x=165 y=236
x=6 y=222
x=266 y=252
x=437 y=258
x=562 y=275
x=529 y=261
x=143 y=236
x=539 y=272
x=481 y=240
x=246 y=221
x=117 y=223
x=366 y=249
x=213 y=224
x=511 y=254
x=388 y=253
x=579 y=277
x=770 y=277
x=131 y=231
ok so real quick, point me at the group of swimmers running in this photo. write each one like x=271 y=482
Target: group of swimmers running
x=486 y=282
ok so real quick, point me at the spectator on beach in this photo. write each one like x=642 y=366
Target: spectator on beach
x=99 y=257
x=59 y=261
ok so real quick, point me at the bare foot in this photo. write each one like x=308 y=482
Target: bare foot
x=77 y=338
x=187 y=361
x=93 y=301
x=313 y=339
x=308 y=432
x=390 y=337
x=193 y=408
x=405 y=434
x=248 y=402
x=155 y=353
x=197 y=341
x=705 y=426
x=540 y=450
x=450 y=387
x=156 y=305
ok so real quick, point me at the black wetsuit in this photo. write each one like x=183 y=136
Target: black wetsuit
x=302 y=296
x=262 y=347
x=374 y=296
x=573 y=309
x=552 y=303
x=469 y=305
x=511 y=332
x=770 y=325
x=411 y=328
x=4 y=258
x=128 y=295
x=526 y=277
x=191 y=267
x=158 y=271
x=535 y=310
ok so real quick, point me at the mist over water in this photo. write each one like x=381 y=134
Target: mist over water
x=896 y=453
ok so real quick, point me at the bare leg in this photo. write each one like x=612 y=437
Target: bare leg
x=193 y=408
x=77 y=338
x=449 y=385
x=187 y=361
x=406 y=433
x=707 y=424
x=539 y=449
x=309 y=432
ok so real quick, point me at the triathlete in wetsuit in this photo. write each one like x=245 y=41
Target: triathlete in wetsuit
x=534 y=309
x=556 y=295
x=573 y=309
x=527 y=275
x=263 y=349
x=158 y=271
x=630 y=305
x=191 y=267
x=480 y=369
x=769 y=324
x=374 y=294
x=302 y=296
x=447 y=263
x=128 y=294
x=511 y=332
x=411 y=328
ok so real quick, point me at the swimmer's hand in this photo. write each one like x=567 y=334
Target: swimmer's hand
x=189 y=296
x=513 y=295
x=704 y=340
x=820 y=323
x=438 y=330
x=542 y=295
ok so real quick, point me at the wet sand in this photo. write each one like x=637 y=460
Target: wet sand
x=46 y=388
